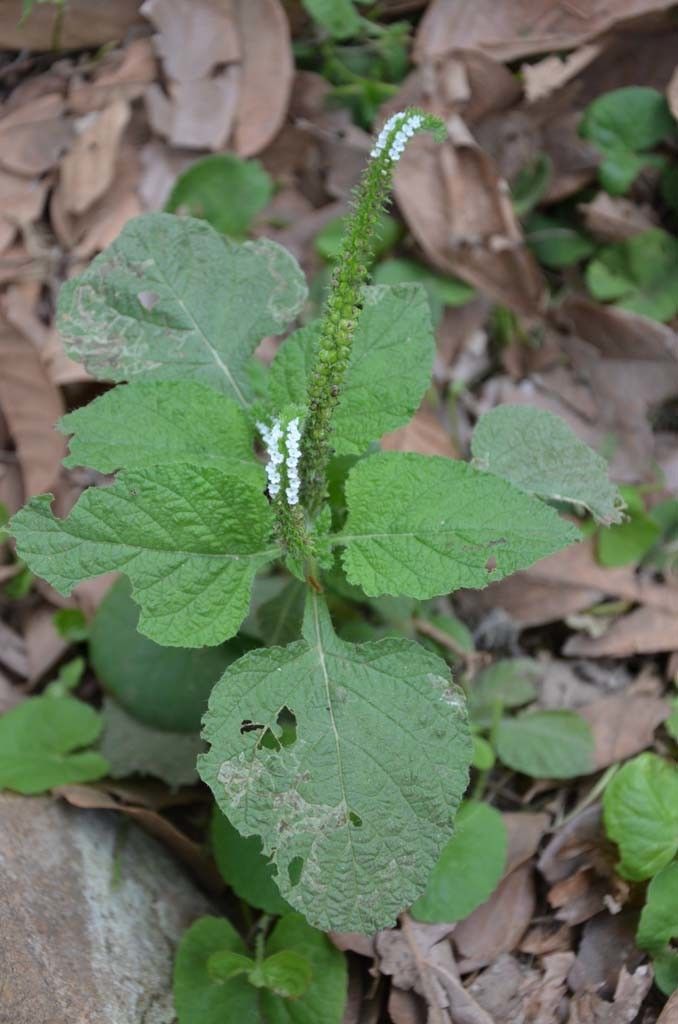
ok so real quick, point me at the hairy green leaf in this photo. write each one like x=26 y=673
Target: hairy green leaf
x=243 y=866
x=132 y=748
x=190 y=539
x=163 y=687
x=640 y=808
x=540 y=454
x=40 y=742
x=224 y=190
x=353 y=808
x=546 y=744
x=136 y=426
x=469 y=868
x=172 y=299
x=388 y=373
x=424 y=525
x=215 y=981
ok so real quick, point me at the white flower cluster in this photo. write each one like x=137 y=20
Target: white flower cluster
x=272 y=436
x=406 y=126
x=293 y=456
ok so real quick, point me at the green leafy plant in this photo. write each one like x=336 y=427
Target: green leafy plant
x=638 y=274
x=347 y=760
x=625 y=124
x=224 y=190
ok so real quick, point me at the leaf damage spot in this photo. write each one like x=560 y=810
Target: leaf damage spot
x=148 y=300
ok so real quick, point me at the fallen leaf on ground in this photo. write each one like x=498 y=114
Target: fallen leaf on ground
x=85 y=24
x=551 y=73
x=121 y=75
x=21 y=203
x=672 y=93
x=460 y=212
x=589 y=1008
x=614 y=218
x=501 y=988
x=669 y=1014
x=87 y=169
x=643 y=631
x=573 y=845
x=34 y=135
x=44 y=646
x=31 y=404
x=623 y=725
x=13 y=651
x=498 y=925
x=521 y=28
x=546 y=1001
x=424 y=433
x=607 y=944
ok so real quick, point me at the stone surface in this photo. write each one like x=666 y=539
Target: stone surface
x=89 y=917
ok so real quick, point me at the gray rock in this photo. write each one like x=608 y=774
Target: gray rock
x=89 y=917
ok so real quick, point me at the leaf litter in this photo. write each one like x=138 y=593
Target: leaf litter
x=90 y=139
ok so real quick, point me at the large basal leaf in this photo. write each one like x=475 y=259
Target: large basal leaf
x=540 y=454
x=640 y=808
x=172 y=299
x=190 y=540
x=41 y=741
x=163 y=687
x=138 y=425
x=424 y=525
x=388 y=373
x=354 y=807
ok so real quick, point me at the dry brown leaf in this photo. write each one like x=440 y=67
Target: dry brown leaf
x=525 y=830
x=31 y=404
x=424 y=433
x=419 y=957
x=589 y=1008
x=121 y=75
x=669 y=1014
x=608 y=943
x=543 y=1004
x=498 y=925
x=196 y=115
x=551 y=73
x=460 y=212
x=574 y=845
x=578 y=898
x=61 y=369
x=547 y=938
x=522 y=27
x=502 y=988
x=614 y=218
x=13 y=651
x=672 y=93
x=21 y=203
x=266 y=74
x=44 y=646
x=353 y=942
x=88 y=167
x=33 y=137
x=643 y=631
x=10 y=695
x=406 y=1007
x=86 y=24
x=191 y=853
x=192 y=36
x=623 y=725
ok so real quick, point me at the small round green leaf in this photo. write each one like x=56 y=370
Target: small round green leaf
x=469 y=868
x=324 y=998
x=546 y=744
x=641 y=815
x=199 y=997
x=224 y=190
x=287 y=974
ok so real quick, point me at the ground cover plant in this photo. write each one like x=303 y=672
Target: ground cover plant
x=324 y=596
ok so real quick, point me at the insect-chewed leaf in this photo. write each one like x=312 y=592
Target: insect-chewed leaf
x=354 y=802
x=189 y=538
x=540 y=454
x=424 y=525
x=138 y=425
x=172 y=299
x=388 y=372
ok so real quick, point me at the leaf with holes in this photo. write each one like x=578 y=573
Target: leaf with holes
x=538 y=452
x=354 y=805
x=172 y=299
x=190 y=540
x=424 y=525
x=135 y=426
x=388 y=373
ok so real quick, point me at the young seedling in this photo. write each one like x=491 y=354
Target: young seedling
x=348 y=761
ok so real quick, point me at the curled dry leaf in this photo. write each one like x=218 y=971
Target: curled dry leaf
x=642 y=631
x=34 y=135
x=87 y=169
x=85 y=24
x=588 y=1007
x=460 y=212
x=31 y=404
x=623 y=725
x=121 y=75
x=523 y=27
x=229 y=72
x=614 y=218
x=669 y=1014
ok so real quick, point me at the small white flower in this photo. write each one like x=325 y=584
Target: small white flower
x=292 y=464
x=288 y=453
x=272 y=437
x=406 y=125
